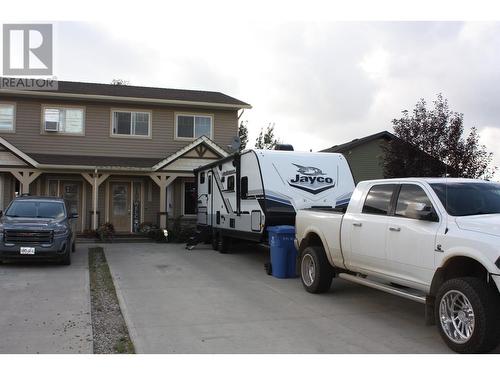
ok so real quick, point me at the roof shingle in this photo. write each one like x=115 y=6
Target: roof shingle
x=126 y=91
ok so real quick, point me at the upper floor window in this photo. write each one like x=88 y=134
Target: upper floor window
x=131 y=123
x=7 y=116
x=192 y=126
x=63 y=120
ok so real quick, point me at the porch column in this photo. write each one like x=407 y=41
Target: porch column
x=25 y=178
x=163 y=181
x=95 y=180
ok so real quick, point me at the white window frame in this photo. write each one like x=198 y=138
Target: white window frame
x=59 y=132
x=13 y=130
x=131 y=110
x=192 y=114
x=183 y=203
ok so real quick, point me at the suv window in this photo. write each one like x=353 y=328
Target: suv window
x=29 y=208
x=412 y=199
x=378 y=199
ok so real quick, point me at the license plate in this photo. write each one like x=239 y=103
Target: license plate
x=27 y=251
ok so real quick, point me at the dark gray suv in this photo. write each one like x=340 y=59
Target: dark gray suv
x=37 y=228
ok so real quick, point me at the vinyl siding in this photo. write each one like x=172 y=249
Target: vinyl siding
x=366 y=161
x=97 y=139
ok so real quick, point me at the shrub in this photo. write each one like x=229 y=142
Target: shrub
x=106 y=232
x=179 y=233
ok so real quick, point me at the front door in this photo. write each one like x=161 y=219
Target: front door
x=411 y=239
x=120 y=206
x=70 y=190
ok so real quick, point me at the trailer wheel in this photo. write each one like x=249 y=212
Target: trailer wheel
x=223 y=244
x=466 y=314
x=315 y=271
x=215 y=240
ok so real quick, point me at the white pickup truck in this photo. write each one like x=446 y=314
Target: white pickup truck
x=432 y=240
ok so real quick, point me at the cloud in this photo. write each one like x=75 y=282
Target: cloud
x=321 y=83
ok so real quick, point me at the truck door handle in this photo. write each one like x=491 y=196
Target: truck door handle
x=395 y=229
x=357 y=224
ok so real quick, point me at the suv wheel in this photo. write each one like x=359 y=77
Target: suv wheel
x=66 y=259
x=315 y=271
x=466 y=313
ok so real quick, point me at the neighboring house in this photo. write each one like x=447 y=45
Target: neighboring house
x=365 y=155
x=119 y=154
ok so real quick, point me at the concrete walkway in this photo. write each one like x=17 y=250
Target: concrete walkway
x=45 y=308
x=176 y=301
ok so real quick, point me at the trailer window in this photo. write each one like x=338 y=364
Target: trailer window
x=378 y=199
x=202 y=177
x=230 y=183
x=244 y=187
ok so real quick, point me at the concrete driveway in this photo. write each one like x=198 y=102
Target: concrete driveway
x=45 y=308
x=176 y=301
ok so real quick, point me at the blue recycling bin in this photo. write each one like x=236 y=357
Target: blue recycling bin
x=283 y=252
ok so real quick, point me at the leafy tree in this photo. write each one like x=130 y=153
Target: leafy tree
x=431 y=143
x=266 y=139
x=243 y=134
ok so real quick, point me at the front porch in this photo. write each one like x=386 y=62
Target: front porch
x=129 y=193
x=129 y=202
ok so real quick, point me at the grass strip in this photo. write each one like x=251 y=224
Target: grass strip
x=110 y=333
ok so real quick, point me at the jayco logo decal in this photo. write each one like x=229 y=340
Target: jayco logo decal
x=311 y=179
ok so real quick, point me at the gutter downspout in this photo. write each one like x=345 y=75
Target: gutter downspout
x=96 y=189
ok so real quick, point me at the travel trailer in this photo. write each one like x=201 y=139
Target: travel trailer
x=243 y=194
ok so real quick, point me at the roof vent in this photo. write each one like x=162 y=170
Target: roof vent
x=283 y=147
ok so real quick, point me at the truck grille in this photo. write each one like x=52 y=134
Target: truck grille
x=22 y=236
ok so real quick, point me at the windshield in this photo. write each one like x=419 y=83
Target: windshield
x=48 y=210
x=469 y=198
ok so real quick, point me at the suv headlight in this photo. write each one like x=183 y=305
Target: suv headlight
x=60 y=230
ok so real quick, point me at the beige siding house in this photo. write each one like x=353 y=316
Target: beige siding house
x=119 y=154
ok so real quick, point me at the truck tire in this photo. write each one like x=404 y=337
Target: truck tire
x=466 y=312
x=315 y=270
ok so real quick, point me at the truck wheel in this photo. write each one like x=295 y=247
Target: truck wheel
x=315 y=271
x=223 y=244
x=466 y=313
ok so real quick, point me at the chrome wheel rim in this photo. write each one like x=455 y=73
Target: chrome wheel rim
x=308 y=269
x=457 y=316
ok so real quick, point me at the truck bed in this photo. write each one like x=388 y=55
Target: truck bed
x=326 y=222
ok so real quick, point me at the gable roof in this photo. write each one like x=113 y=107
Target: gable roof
x=85 y=162
x=359 y=141
x=101 y=91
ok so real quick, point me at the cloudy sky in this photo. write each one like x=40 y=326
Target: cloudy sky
x=321 y=83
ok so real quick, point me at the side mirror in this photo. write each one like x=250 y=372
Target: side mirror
x=73 y=215
x=420 y=211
